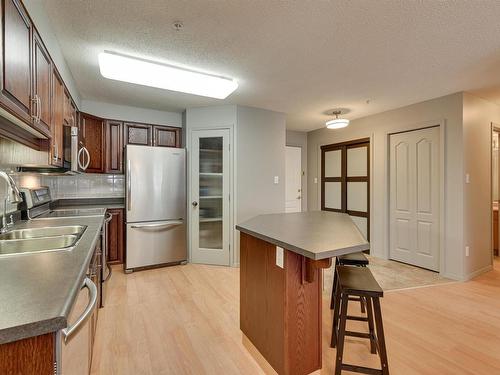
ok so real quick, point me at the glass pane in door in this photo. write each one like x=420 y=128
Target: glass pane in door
x=211 y=192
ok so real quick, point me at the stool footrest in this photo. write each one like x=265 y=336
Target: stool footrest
x=361 y=369
x=358 y=318
x=358 y=334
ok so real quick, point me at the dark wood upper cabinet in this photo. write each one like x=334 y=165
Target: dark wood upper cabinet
x=42 y=74
x=94 y=133
x=57 y=121
x=114 y=146
x=166 y=136
x=115 y=236
x=16 y=60
x=138 y=134
x=69 y=110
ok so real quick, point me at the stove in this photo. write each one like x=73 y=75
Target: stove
x=72 y=212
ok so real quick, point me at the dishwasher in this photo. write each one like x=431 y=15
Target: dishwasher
x=74 y=343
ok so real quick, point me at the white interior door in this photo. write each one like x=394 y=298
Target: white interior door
x=210 y=196
x=414 y=197
x=293 y=184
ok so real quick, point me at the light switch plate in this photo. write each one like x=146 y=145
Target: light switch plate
x=280 y=257
x=276 y=179
x=315 y=180
x=467 y=178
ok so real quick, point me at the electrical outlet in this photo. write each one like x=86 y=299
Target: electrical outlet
x=280 y=257
x=467 y=251
x=467 y=178
x=315 y=180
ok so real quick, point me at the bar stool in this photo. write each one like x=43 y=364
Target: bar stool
x=359 y=282
x=354 y=259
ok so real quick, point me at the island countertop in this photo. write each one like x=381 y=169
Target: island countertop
x=314 y=234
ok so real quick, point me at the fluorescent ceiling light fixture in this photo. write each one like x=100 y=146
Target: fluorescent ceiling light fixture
x=337 y=123
x=168 y=77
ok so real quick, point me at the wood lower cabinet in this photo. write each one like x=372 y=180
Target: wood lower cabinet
x=94 y=133
x=138 y=134
x=16 y=60
x=115 y=237
x=114 y=147
x=34 y=355
x=166 y=136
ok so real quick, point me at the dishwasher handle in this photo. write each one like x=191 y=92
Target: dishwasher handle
x=68 y=332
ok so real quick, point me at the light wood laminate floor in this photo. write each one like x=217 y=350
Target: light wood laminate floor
x=184 y=320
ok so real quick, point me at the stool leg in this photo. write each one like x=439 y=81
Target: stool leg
x=373 y=346
x=380 y=336
x=362 y=301
x=336 y=311
x=332 y=300
x=340 y=341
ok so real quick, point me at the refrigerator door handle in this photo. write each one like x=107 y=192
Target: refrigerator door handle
x=129 y=185
x=164 y=224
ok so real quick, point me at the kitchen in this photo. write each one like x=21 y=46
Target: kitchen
x=177 y=198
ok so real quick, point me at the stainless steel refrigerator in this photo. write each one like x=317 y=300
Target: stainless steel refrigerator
x=155 y=202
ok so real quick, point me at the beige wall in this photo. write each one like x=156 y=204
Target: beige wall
x=478 y=114
x=299 y=139
x=447 y=110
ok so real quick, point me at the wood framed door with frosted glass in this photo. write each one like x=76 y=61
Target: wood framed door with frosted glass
x=210 y=158
x=345 y=181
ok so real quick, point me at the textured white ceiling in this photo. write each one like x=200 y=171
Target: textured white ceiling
x=298 y=57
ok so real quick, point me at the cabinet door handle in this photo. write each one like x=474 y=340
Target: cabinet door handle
x=34 y=109
x=69 y=331
x=39 y=109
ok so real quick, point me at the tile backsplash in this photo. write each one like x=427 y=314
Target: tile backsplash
x=76 y=186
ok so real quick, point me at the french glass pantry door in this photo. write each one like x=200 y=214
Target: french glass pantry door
x=210 y=196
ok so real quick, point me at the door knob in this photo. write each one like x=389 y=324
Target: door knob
x=194 y=203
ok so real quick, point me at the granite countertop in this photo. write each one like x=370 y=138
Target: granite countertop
x=314 y=234
x=37 y=291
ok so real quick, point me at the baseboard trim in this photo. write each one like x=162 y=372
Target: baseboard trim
x=474 y=274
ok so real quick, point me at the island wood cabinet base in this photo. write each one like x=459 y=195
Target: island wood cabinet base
x=34 y=355
x=280 y=308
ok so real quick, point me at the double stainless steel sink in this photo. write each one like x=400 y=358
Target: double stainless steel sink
x=33 y=240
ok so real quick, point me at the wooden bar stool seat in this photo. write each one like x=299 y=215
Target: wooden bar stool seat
x=358 y=282
x=355 y=259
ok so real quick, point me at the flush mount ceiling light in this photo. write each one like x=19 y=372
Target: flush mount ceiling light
x=168 y=77
x=337 y=122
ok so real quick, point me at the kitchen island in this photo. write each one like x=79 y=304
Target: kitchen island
x=281 y=261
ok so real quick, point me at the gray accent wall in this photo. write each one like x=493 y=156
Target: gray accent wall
x=258 y=152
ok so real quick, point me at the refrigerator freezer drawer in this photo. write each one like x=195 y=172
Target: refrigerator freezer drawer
x=153 y=243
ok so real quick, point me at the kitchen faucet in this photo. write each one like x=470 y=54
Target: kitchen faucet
x=13 y=196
